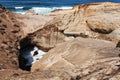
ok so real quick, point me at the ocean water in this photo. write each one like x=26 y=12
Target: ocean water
x=44 y=6
x=32 y=55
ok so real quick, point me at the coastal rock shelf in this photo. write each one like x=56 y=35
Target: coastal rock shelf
x=82 y=43
x=10 y=36
x=95 y=20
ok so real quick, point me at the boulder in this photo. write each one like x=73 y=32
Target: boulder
x=81 y=58
x=74 y=53
x=94 y=20
x=45 y=38
x=32 y=22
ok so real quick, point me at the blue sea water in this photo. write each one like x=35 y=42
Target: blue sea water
x=44 y=6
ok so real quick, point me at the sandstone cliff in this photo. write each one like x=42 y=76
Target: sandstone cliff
x=85 y=55
x=95 y=20
x=10 y=35
x=32 y=22
x=95 y=56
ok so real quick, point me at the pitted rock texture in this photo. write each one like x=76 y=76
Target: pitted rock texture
x=10 y=35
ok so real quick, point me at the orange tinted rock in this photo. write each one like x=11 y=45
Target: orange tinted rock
x=10 y=35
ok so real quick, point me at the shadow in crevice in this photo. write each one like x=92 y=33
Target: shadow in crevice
x=29 y=54
x=25 y=58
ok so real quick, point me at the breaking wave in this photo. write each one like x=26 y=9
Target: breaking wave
x=19 y=7
x=39 y=10
x=43 y=10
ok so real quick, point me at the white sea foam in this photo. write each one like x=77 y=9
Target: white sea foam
x=44 y=10
x=31 y=56
x=21 y=12
x=19 y=7
x=38 y=56
x=41 y=10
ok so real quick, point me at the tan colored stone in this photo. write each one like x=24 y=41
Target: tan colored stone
x=72 y=54
x=95 y=20
x=32 y=22
x=10 y=35
x=46 y=38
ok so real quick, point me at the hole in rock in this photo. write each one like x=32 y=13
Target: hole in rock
x=29 y=55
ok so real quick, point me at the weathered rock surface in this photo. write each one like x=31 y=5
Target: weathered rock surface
x=32 y=22
x=86 y=20
x=45 y=38
x=80 y=55
x=90 y=58
x=87 y=57
x=73 y=53
x=10 y=35
x=95 y=20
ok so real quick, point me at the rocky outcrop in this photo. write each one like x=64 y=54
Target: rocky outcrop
x=105 y=69
x=95 y=20
x=32 y=22
x=74 y=53
x=86 y=20
x=69 y=57
x=10 y=35
x=87 y=57
x=45 y=38
x=79 y=58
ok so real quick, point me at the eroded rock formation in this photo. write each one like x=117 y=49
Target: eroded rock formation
x=83 y=58
x=32 y=22
x=88 y=57
x=46 y=38
x=10 y=35
x=95 y=20
x=69 y=57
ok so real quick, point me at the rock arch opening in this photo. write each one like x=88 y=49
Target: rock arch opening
x=29 y=54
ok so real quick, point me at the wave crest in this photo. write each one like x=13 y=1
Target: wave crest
x=19 y=7
x=40 y=10
x=44 y=10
